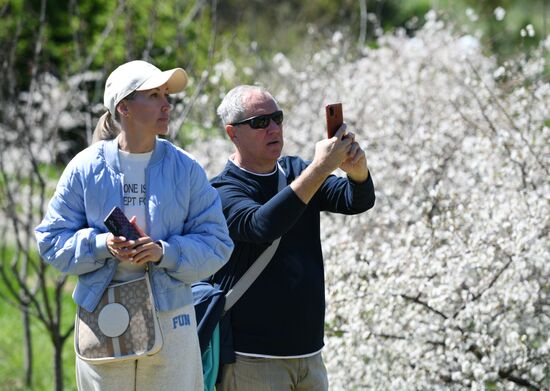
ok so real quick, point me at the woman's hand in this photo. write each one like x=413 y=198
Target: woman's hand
x=139 y=251
x=145 y=250
x=120 y=248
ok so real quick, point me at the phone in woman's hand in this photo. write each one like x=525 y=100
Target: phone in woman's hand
x=119 y=225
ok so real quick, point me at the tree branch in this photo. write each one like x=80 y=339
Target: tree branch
x=493 y=280
x=507 y=375
x=423 y=304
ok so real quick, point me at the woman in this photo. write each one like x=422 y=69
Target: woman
x=166 y=194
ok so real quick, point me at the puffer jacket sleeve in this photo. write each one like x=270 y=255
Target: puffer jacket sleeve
x=64 y=239
x=205 y=245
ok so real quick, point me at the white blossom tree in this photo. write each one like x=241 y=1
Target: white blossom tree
x=445 y=284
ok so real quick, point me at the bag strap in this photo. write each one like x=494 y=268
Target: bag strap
x=258 y=266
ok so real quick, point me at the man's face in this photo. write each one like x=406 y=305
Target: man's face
x=258 y=149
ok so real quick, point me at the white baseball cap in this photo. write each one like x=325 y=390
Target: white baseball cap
x=138 y=76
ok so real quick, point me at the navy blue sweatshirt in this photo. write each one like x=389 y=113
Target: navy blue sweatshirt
x=282 y=313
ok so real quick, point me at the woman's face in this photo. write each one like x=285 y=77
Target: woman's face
x=147 y=111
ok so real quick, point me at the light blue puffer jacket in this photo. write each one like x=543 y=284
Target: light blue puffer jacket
x=182 y=210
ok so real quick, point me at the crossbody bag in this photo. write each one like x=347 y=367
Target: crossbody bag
x=123 y=326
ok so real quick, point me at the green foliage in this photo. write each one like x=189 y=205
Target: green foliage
x=11 y=348
x=73 y=31
x=412 y=9
x=11 y=365
x=192 y=132
x=491 y=385
x=100 y=34
x=49 y=171
x=502 y=37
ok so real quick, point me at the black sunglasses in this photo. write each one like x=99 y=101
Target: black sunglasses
x=262 y=121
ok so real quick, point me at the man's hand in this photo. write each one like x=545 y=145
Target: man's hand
x=355 y=165
x=330 y=153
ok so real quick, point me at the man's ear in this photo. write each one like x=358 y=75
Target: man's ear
x=231 y=132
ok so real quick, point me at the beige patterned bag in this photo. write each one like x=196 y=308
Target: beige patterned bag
x=123 y=326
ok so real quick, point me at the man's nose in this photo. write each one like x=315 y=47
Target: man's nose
x=273 y=127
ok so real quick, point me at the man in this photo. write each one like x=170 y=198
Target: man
x=277 y=325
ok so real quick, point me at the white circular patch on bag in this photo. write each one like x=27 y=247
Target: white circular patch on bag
x=113 y=320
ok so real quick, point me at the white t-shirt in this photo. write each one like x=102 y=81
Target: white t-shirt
x=133 y=167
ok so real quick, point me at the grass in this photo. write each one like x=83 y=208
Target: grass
x=12 y=376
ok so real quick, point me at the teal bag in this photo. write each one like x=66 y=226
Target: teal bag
x=209 y=301
x=211 y=360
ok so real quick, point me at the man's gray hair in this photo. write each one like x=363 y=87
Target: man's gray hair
x=232 y=107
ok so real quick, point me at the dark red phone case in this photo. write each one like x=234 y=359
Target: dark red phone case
x=335 y=118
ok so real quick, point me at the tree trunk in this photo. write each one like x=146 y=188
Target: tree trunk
x=27 y=341
x=58 y=362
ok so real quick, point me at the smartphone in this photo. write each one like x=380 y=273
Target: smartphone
x=119 y=225
x=335 y=118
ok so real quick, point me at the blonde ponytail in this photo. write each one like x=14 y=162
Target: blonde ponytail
x=106 y=128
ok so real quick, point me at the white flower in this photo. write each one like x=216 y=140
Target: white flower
x=471 y=14
x=499 y=13
x=469 y=44
x=283 y=65
x=501 y=71
x=337 y=37
x=527 y=31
